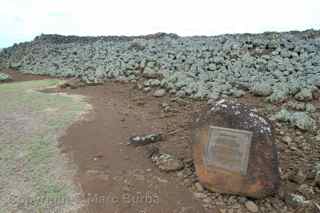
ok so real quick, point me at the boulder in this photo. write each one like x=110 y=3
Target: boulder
x=234 y=151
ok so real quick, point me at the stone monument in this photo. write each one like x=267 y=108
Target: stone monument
x=234 y=151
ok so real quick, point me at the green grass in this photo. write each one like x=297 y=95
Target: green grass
x=31 y=165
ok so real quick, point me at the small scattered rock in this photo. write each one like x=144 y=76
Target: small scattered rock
x=287 y=139
x=306 y=191
x=242 y=200
x=5 y=77
x=159 y=93
x=304 y=95
x=199 y=195
x=145 y=139
x=309 y=207
x=251 y=206
x=161 y=180
x=299 y=177
x=72 y=84
x=261 y=89
x=167 y=162
x=238 y=93
x=310 y=108
x=147 y=89
x=198 y=187
x=301 y=120
x=295 y=201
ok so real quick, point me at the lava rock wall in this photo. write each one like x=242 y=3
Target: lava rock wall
x=275 y=65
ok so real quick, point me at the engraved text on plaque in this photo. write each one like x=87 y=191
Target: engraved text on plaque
x=228 y=149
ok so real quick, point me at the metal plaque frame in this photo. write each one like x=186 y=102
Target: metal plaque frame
x=228 y=149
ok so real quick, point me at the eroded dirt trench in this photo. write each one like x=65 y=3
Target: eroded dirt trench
x=116 y=177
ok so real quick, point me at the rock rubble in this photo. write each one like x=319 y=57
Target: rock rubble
x=276 y=65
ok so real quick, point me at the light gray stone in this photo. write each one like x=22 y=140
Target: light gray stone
x=251 y=206
x=159 y=93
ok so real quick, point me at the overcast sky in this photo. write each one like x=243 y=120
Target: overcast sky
x=22 y=20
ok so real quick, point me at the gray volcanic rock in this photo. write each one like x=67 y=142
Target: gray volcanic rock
x=261 y=89
x=301 y=120
x=159 y=93
x=4 y=77
x=196 y=66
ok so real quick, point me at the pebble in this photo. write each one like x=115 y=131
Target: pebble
x=295 y=200
x=287 y=139
x=159 y=93
x=299 y=177
x=168 y=163
x=199 y=195
x=306 y=191
x=146 y=89
x=251 y=206
x=242 y=200
x=199 y=187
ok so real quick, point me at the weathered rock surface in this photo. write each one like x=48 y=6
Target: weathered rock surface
x=167 y=162
x=301 y=120
x=159 y=93
x=4 y=77
x=262 y=176
x=251 y=206
x=295 y=201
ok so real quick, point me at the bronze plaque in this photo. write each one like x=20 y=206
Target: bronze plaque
x=228 y=149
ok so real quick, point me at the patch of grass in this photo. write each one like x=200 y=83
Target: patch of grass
x=32 y=167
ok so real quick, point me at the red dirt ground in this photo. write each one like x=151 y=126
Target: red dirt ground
x=119 y=178
x=110 y=169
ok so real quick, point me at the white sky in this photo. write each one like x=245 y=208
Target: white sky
x=22 y=20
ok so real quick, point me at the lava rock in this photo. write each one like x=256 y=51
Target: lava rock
x=301 y=120
x=167 y=162
x=251 y=206
x=186 y=66
x=306 y=191
x=145 y=139
x=309 y=207
x=198 y=187
x=287 y=139
x=5 y=77
x=159 y=93
x=304 y=95
x=262 y=176
x=261 y=89
x=299 y=177
x=295 y=201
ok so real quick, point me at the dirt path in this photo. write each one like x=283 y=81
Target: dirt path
x=120 y=178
